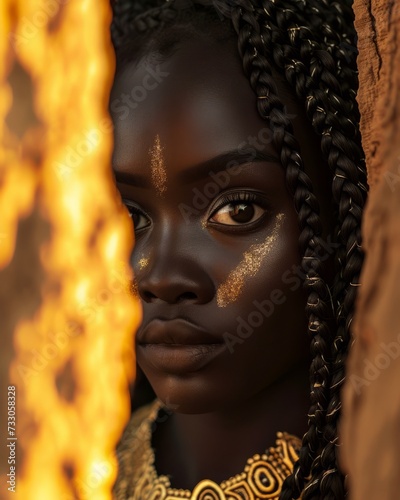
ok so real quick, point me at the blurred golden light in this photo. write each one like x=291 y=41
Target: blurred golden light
x=72 y=330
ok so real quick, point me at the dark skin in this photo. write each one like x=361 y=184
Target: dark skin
x=231 y=406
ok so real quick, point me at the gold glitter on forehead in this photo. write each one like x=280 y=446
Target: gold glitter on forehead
x=158 y=171
x=233 y=286
x=143 y=263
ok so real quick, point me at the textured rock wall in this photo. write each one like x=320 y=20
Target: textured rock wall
x=371 y=415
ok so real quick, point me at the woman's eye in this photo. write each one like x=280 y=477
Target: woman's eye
x=140 y=220
x=236 y=213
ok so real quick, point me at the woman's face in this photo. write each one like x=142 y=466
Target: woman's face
x=216 y=255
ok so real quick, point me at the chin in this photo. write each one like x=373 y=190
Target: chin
x=187 y=394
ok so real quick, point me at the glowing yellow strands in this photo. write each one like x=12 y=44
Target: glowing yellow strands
x=158 y=172
x=230 y=290
x=72 y=329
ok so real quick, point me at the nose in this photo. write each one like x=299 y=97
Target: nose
x=175 y=272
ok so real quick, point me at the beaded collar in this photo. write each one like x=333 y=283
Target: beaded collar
x=261 y=478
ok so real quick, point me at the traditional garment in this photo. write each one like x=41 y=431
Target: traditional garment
x=261 y=478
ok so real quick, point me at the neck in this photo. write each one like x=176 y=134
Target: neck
x=217 y=445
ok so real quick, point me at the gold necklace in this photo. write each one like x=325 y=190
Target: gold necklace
x=262 y=477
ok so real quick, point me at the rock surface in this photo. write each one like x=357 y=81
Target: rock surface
x=370 y=428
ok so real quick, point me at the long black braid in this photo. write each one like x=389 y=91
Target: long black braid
x=312 y=43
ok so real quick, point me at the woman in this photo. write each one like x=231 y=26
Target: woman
x=244 y=175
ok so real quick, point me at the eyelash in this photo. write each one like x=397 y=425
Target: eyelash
x=134 y=210
x=235 y=198
x=228 y=198
x=239 y=197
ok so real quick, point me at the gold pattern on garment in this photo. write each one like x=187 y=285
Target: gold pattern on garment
x=158 y=171
x=262 y=476
x=143 y=263
x=230 y=290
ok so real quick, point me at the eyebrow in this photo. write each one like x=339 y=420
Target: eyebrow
x=202 y=170
x=220 y=163
x=126 y=177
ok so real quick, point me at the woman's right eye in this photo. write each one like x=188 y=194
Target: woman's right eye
x=139 y=218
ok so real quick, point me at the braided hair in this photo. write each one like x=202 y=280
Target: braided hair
x=311 y=44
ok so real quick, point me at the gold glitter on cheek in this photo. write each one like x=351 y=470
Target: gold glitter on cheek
x=233 y=286
x=134 y=288
x=158 y=171
x=143 y=263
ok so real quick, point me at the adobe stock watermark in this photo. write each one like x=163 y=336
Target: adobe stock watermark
x=83 y=146
x=167 y=410
x=123 y=105
x=85 y=486
x=295 y=277
x=393 y=178
x=373 y=368
x=92 y=481
x=59 y=340
x=40 y=19
x=220 y=180
x=85 y=142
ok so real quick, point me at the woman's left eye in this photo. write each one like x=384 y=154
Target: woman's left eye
x=238 y=212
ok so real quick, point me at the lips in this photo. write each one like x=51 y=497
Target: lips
x=176 y=332
x=177 y=347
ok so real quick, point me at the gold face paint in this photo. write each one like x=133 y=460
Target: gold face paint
x=143 y=263
x=134 y=288
x=158 y=171
x=233 y=286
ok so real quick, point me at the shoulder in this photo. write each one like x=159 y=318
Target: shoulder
x=134 y=450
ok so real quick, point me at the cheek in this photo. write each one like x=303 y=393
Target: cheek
x=250 y=266
x=265 y=327
x=268 y=334
x=267 y=277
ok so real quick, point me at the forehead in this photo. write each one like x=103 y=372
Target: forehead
x=198 y=101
